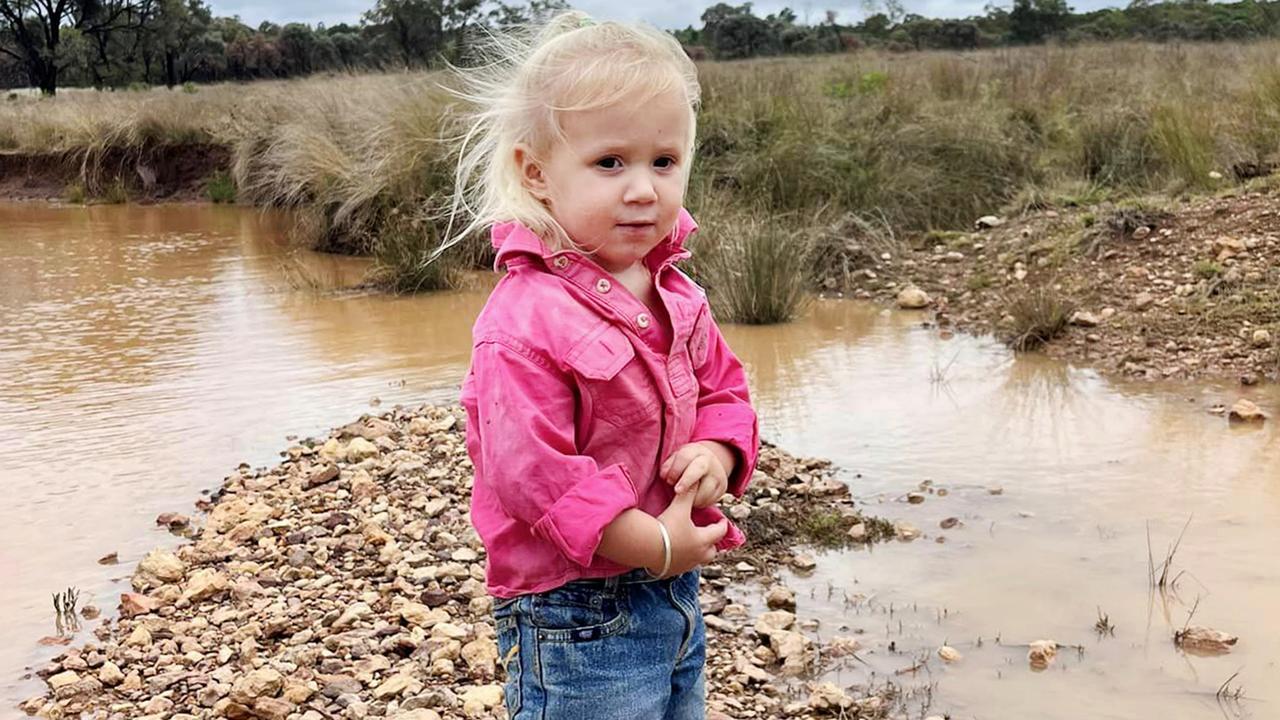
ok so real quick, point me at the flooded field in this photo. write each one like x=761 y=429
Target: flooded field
x=146 y=351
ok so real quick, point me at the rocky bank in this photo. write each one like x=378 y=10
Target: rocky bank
x=1159 y=289
x=346 y=582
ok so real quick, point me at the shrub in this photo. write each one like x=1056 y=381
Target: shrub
x=755 y=266
x=1039 y=315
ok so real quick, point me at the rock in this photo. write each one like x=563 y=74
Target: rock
x=261 y=683
x=1204 y=641
x=140 y=638
x=949 y=523
x=842 y=645
x=1081 y=318
x=397 y=685
x=753 y=673
x=906 y=531
x=481 y=655
x=828 y=696
x=1143 y=300
x=173 y=520
x=109 y=559
x=803 y=562
x=780 y=598
x=987 y=222
x=324 y=474
x=1042 y=653
x=448 y=630
x=360 y=449
x=949 y=654
x=1261 y=339
x=419 y=615
x=272 y=709
x=913 y=298
x=203 y=584
x=858 y=532
x=1142 y=232
x=110 y=675
x=488 y=696
x=164 y=566
x=915 y=498
x=62 y=680
x=352 y=615
x=773 y=622
x=1245 y=411
x=794 y=651
x=416 y=714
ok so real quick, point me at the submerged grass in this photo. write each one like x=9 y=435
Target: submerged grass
x=911 y=142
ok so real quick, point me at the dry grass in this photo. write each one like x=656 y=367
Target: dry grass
x=1039 y=315
x=917 y=142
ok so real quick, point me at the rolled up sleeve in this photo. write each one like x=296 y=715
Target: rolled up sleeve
x=525 y=409
x=724 y=408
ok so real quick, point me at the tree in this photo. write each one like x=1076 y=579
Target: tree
x=1031 y=21
x=420 y=31
x=31 y=31
x=733 y=32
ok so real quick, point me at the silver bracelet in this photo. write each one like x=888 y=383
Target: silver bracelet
x=666 y=552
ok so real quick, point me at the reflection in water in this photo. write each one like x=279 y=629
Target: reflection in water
x=144 y=352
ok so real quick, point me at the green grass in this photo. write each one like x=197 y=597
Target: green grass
x=116 y=192
x=220 y=188
x=1207 y=269
x=75 y=193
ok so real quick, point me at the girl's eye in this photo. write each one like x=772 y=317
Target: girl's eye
x=609 y=163
x=664 y=162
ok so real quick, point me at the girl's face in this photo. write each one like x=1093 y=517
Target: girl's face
x=615 y=183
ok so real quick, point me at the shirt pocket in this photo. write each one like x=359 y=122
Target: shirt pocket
x=621 y=387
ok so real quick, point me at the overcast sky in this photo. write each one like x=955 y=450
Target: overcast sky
x=666 y=14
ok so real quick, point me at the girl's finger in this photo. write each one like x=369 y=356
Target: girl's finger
x=674 y=467
x=692 y=474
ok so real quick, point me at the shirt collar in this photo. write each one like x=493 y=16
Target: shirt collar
x=513 y=240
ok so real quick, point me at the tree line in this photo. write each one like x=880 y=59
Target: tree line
x=48 y=44
x=735 y=31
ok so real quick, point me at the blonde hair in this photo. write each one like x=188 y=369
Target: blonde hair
x=527 y=79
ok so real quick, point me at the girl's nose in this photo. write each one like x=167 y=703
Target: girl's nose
x=640 y=189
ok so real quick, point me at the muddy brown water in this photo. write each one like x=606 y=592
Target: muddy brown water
x=146 y=351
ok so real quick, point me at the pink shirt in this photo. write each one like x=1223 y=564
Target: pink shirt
x=575 y=396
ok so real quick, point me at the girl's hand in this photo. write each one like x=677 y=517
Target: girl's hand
x=701 y=467
x=691 y=545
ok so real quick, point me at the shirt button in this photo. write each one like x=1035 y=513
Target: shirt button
x=603 y=286
x=642 y=320
x=561 y=262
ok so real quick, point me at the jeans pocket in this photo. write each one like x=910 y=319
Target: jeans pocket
x=577 y=614
x=508 y=631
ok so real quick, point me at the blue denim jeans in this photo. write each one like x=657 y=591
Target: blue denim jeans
x=621 y=648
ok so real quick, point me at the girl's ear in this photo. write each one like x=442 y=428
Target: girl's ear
x=531 y=172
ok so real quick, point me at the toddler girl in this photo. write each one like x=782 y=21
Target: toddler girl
x=607 y=416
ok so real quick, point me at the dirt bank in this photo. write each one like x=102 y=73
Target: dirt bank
x=162 y=173
x=346 y=582
x=1179 y=289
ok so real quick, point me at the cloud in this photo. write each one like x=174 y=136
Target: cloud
x=666 y=14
